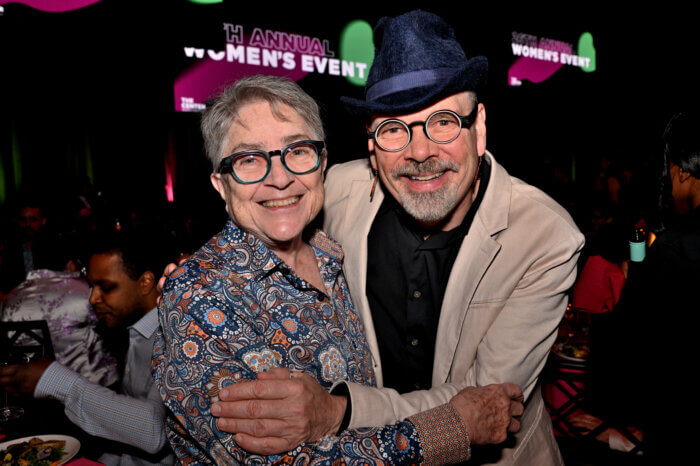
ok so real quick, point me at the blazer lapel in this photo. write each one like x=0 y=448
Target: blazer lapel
x=474 y=257
x=473 y=260
x=356 y=225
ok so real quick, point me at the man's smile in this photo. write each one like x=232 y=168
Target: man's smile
x=425 y=177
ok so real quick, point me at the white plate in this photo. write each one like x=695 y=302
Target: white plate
x=558 y=350
x=71 y=448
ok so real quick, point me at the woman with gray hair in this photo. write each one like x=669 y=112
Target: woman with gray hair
x=268 y=292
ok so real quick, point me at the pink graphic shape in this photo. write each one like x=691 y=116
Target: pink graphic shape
x=53 y=6
x=207 y=77
x=534 y=70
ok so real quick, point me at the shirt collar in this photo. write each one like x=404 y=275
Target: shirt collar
x=265 y=261
x=148 y=324
x=262 y=261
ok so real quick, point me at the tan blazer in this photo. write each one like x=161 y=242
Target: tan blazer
x=504 y=300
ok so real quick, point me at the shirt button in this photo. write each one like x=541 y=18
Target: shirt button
x=416 y=294
x=414 y=342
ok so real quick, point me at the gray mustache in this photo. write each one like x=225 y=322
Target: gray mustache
x=412 y=168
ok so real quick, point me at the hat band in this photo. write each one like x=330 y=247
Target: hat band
x=410 y=80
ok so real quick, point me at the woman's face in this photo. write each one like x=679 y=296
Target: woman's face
x=278 y=208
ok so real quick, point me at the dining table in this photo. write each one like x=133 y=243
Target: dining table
x=46 y=419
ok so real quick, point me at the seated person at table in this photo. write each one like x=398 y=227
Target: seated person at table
x=61 y=298
x=650 y=338
x=269 y=292
x=124 y=296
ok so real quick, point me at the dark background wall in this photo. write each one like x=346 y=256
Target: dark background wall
x=89 y=93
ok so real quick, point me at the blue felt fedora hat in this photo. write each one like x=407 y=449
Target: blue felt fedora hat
x=417 y=62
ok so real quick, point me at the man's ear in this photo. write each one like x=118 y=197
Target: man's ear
x=683 y=175
x=147 y=282
x=370 y=148
x=373 y=161
x=480 y=124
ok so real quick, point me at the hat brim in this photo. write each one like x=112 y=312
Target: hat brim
x=470 y=77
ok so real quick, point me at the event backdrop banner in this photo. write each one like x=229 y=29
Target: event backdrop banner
x=538 y=58
x=244 y=50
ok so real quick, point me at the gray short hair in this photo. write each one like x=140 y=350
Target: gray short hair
x=221 y=112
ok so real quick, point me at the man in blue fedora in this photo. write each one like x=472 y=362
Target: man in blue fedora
x=459 y=271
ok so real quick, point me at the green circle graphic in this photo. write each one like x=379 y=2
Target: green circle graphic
x=357 y=45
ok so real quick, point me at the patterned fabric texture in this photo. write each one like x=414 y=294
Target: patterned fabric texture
x=443 y=436
x=235 y=309
x=61 y=298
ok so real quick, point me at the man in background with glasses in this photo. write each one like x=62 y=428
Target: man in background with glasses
x=459 y=272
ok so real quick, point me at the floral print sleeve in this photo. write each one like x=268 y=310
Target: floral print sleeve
x=234 y=309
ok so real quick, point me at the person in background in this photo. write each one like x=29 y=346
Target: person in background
x=124 y=296
x=650 y=337
x=61 y=298
x=459 y=272
x=31 y=246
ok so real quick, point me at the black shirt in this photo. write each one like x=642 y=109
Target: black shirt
x=406 y=280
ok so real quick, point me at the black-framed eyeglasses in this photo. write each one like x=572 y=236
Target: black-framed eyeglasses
x=253 y=166
x=443 y=126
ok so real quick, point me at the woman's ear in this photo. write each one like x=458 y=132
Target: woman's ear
x=218 y=184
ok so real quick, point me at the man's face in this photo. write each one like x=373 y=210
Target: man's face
x=278 y=208
x=30 y=221
x=432 y=181
x=115 y=297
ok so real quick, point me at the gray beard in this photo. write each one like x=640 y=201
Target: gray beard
x=431 y=206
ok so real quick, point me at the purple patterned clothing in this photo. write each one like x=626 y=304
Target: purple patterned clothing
x=61 y=298
x=235 y=309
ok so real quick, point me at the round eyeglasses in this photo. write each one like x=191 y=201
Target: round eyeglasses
x=253 y=166
x=443 y=126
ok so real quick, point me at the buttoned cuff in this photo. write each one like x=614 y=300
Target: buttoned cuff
x=56 y=382
x=443 y=437
x=372 y=409
x=341 y=389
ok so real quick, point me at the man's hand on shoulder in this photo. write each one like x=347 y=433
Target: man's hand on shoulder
x=168 y=270
x=23 y=378
x=277 y=412
x=490 y=412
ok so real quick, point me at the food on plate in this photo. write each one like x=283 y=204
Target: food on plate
x=572 y=350
x=35 y=452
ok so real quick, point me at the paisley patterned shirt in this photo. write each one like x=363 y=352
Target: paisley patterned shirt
x=235 y=309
